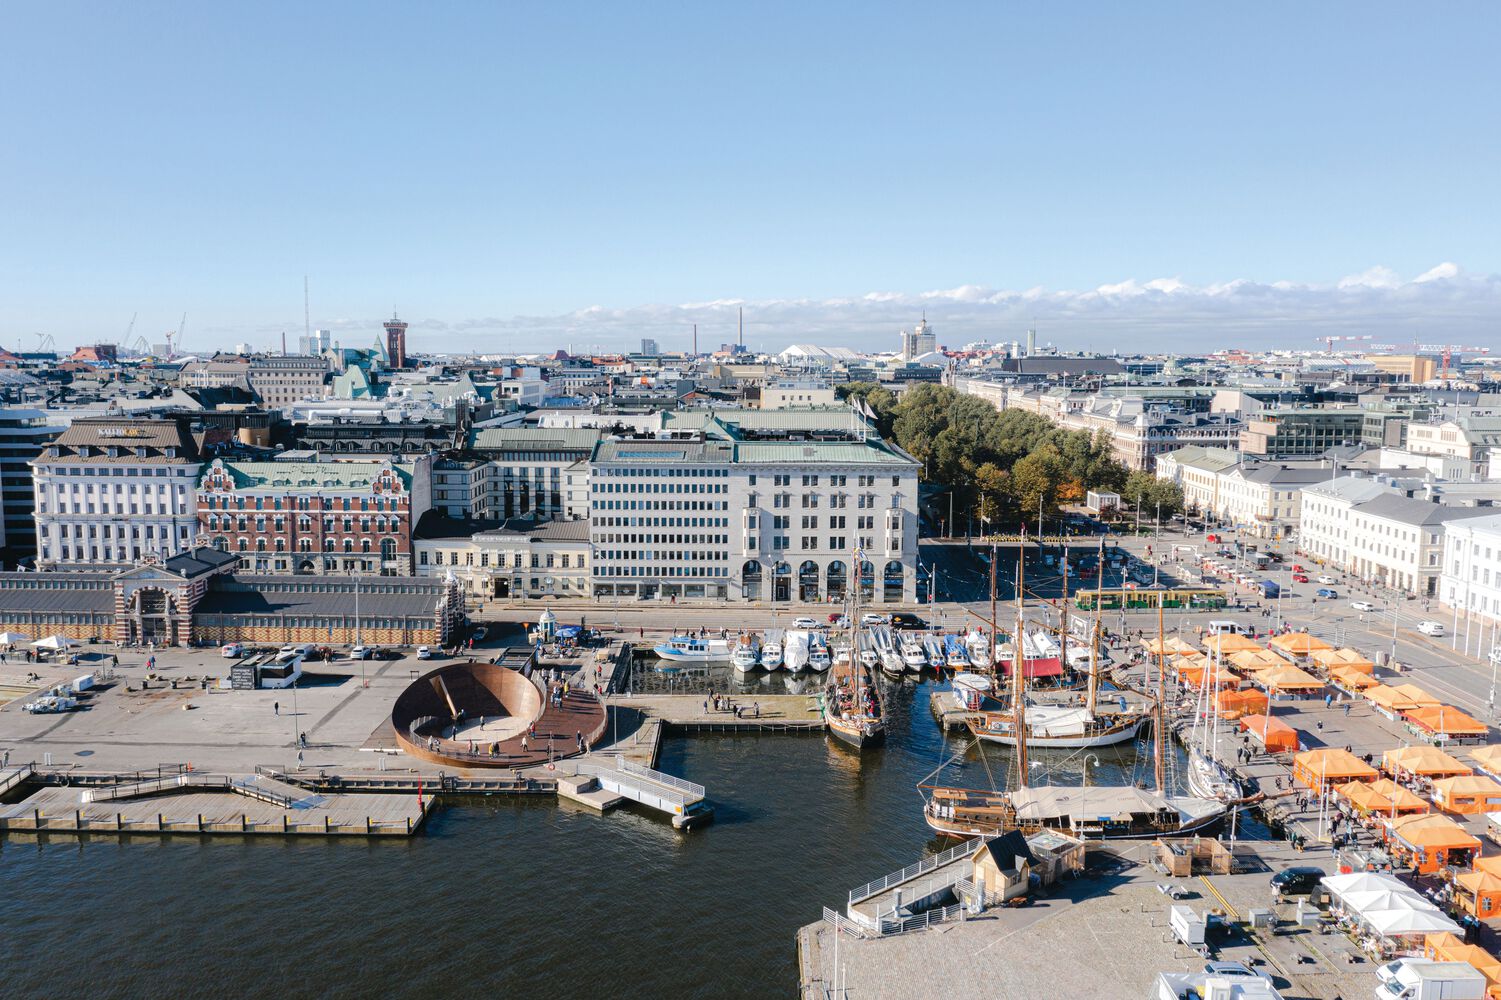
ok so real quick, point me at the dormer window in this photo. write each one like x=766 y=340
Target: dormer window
x=114 y=452
x=140 y=452
x=171 y=452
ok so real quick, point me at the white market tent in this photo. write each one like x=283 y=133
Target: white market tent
x=56 y=642
x=11 y=638
x=1396 y=923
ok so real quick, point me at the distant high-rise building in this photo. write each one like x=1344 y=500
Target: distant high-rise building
x=922 y=340
x=649 y=347
x=396 y=342
x=315 y=343
x=1031 y=344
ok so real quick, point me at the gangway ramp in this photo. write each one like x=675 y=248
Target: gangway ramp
x=10 y=777
x=683 y=801
x=874 y=901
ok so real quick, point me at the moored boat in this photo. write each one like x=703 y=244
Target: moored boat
x=747 y=654
x=692 y=649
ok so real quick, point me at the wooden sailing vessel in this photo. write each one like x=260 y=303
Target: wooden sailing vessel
x=852 y=710
x=1091 y=812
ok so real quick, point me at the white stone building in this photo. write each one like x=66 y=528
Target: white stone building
x=116 y=490
x=714 y=516
x=516 y=559
x=1471 y=585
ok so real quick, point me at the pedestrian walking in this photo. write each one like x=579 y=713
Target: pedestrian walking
x=1347 y=709
x=276 y=708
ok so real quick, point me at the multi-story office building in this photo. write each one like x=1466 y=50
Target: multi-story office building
x=733 y=513
x=315 y=517
x=787 y=394
x=280 y=380
x=23 y=435
x=1472 y=439
x=1301 y=433
x=1262 y=498
x=115 y=489
x=535 y=470
x=921 y=340
x=1471 y=584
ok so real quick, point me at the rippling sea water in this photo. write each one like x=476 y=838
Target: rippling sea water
x=500 y=894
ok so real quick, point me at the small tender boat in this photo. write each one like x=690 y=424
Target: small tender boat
x=972 y=689
x=692 y=649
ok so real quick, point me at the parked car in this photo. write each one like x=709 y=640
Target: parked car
x=805 y=622
x=839 y=622
x=1298 y=568
x=1233 y=970
x=1211 y=538
x=1300 y=578
x=1301 y=880
x=1325 y=578
x=1431 y=628
x=1328 y=592
x=479 y=634
x=359 y=653
x=1362 y=605
x=874 y=619
x=904 y=619
x=423 y=653
x=231 y=650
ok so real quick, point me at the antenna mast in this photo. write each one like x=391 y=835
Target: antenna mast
x=1157 y=733
x=1018 y=666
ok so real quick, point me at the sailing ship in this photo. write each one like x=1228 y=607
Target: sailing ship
x=852 y=709
x=1206 y=775
x=1099 y=812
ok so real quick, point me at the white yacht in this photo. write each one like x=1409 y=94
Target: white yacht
x=795 y=652
x=818 y=653
x=693 y=649
x=747 y=654
x=771 y=650
x=912 y=654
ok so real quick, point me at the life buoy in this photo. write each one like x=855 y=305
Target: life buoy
x=552 y=767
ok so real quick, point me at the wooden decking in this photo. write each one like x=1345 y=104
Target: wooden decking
x=189 y=810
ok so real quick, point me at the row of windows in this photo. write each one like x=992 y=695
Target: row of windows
x=653 y=539
x=550 y=560
x=223 y=502
x=660 y=505
x=668 y=556
x=655 y=571
x=661 y=522
x=381 y=525
x=661 y=488
x=131 y=472
x=387 y=545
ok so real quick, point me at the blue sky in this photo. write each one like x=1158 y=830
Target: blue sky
x=518 y=176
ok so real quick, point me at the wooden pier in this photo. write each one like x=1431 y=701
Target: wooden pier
x=214 y=804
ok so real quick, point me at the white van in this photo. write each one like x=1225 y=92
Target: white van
x=1226 y=625
x=1431 y=628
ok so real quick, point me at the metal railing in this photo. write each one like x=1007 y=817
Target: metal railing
x=922 y=921
x=641 y=770
x=870 y=889
x=843 y=923
x=640 y=785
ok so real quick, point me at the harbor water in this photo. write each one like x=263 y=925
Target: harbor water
x=515 y=894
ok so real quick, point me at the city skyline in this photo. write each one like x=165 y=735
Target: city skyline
x=544 y=176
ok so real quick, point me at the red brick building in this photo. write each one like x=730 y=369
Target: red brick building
x=330 y=516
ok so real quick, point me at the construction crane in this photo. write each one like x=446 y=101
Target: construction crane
x=129 y=329
x=45 y=343
x=1447 y=351
x=1329 y=341
x=176 y=334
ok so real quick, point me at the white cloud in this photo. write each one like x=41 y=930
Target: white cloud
x=1443 y=304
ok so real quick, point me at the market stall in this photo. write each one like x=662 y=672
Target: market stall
x=1467 y=794
x=1327 y=766
x=1431 y=841
x=1298 y=645
x=1487 y=760
x=1288 y=681
x=1421 y=761
x=1329 y=660
x=1445 y=724
x=1228 y=643
x=1235 y=704
x=1274 y=735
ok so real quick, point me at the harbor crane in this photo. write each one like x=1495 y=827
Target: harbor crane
x=1329 y=341
x=1447 y=351
x=45 y=343
x=176 y=335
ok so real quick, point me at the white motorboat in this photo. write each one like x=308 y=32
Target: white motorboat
x=692 y=649
x=795 y=652
x=771 y=650
x=818 y=653
x=747 y=654
x=977 y=645
x=954 y=653
x=912 y=654
x=972 y=689
x=841 y=654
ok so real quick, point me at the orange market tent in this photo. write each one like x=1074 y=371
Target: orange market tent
x=1330 y=766
x=1445 y=720
x=1430 y=762
x=1452 y=948
x=1432 y=839
x=1467 y=794
x=1227 y=643
x=1352 y=679
x=1288 y=679
x=1274 y=734
x=1328 y=659
x=1399 y=800
x=1169 y=645
x=1249 y=701
x=1488 y=759
x=1205 y=674
x=1363 y=798
x=1252 y=660
x=1401 y=698
x=1298 y=643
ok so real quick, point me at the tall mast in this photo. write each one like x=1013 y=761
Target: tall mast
x=1018 y=665
x=1094 y=638
x=1063 y=614
x=990 y=667
x=1158 y=736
